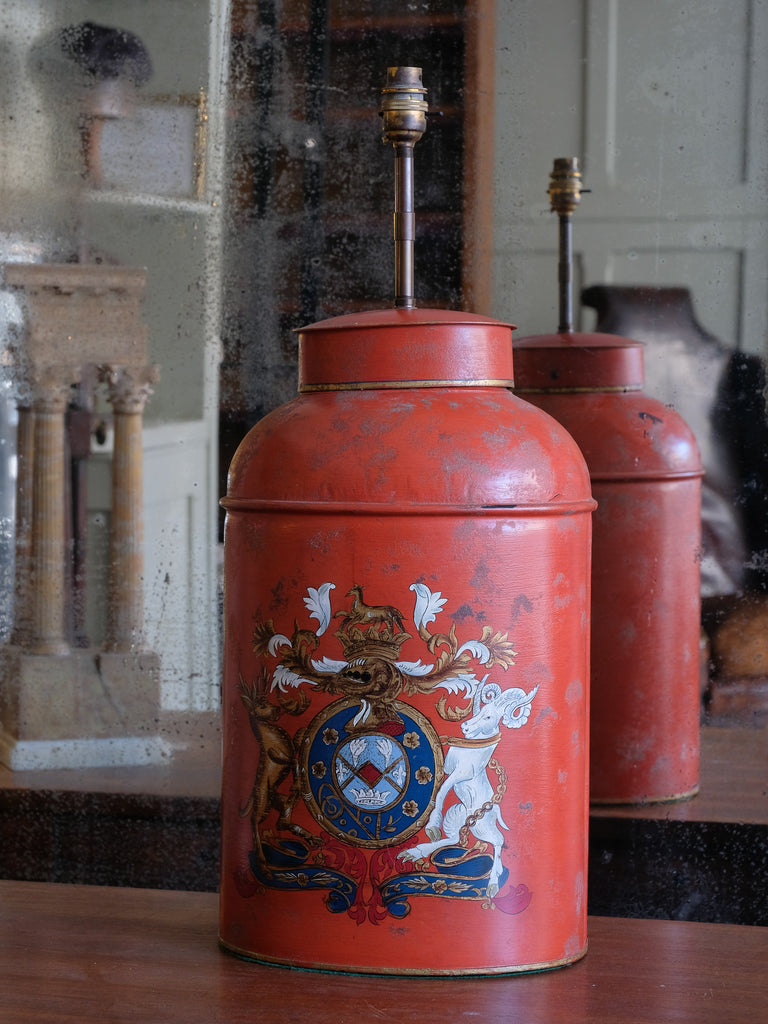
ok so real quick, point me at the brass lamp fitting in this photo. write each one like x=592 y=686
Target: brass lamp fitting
x=564 y=196
x=404 y=117
x=565 y=185
x=403 y=107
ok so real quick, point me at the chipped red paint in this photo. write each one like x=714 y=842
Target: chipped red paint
x=646 y=478
x=405 y=684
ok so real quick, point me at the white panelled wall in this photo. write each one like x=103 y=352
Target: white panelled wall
x=665 y=104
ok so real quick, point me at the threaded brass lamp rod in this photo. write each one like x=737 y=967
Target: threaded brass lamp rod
x=404 y=116
x=564 y=196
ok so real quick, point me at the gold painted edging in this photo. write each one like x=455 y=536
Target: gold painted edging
x=647 y=801
x=372 y=385
x=427 y=972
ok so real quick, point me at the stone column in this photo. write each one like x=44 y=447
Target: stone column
x=51 y=388
x=22 y=595
x=129 y=389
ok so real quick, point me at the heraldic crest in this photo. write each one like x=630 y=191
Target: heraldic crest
x=370 y=768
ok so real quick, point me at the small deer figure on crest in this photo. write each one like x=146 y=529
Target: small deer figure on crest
x=277 y=760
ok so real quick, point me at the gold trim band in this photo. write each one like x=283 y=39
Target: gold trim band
x=420 y=972
x=645 y=801
x=577 y=391
x=372 y=385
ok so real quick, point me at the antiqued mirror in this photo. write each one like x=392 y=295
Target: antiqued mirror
x=185 y=182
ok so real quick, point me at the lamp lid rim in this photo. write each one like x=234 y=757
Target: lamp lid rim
x=574 y=340
x=401 y=317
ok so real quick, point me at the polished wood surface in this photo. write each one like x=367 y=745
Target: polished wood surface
x=733 y=785
x=79 y=953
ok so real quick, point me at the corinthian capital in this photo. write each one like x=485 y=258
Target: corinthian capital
x=129 y=387
x=50 y=386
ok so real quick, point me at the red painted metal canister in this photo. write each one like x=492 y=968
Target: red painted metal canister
x=646 y=477
x=405 y=685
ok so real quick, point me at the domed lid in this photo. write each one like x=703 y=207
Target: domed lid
x=628 y=436
x=578 y=361
x=405 y=348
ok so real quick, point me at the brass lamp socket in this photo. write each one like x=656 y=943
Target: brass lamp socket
x=403 y=107
x=565 y=185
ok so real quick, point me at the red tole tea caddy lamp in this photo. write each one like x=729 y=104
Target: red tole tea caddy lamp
x=405 y=679
x=646 y=477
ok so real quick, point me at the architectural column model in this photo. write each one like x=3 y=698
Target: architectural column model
x=62 y=705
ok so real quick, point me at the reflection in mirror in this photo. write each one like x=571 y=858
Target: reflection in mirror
x=661 y=103
x=309 y=228
x=110 y=238
x=241 y=171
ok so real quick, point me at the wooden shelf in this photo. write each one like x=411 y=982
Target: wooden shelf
x=119 y=955
x=733 y=786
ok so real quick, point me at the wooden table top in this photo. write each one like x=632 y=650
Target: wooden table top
x=733 y=784
x=83 y=953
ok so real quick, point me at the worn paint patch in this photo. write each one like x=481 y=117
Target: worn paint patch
x=574 y=692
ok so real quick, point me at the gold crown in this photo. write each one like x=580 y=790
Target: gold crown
x=371 y=643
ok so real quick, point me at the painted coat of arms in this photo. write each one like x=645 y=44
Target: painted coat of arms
x=397 y=810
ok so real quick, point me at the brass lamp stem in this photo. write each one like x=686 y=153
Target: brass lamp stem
x=564 y=196
x=404 y=115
